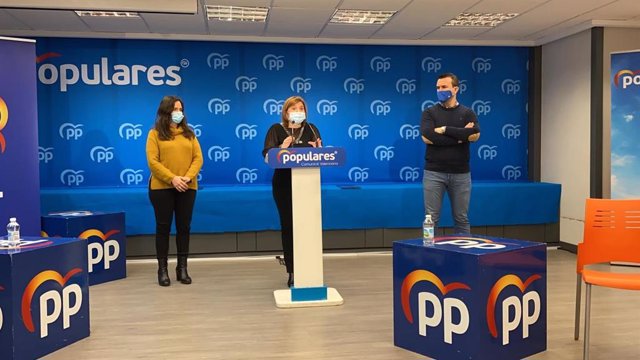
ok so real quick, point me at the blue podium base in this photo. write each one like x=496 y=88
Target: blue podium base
x=284 y=300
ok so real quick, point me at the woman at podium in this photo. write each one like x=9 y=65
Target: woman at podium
x=175 y=158
x=293 y=131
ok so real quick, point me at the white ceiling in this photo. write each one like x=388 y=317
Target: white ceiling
x=416 y=21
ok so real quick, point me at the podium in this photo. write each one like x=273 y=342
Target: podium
x=309 y=288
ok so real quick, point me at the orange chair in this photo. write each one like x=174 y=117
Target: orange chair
x=611 y=233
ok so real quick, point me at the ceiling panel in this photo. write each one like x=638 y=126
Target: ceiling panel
x=444 y=33
x=9 y=22
x=373 y=4
x=349 y=31
x=181 y=6
x=297 y=22
x=261 y=3
x=307 y=4
x=217 y=27
x=124 y=25
x=176 y=24
x=53 y=20
x=505 y=6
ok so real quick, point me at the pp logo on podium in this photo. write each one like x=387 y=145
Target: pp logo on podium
x=65 y=301
x=4 y=119
x=106 y=250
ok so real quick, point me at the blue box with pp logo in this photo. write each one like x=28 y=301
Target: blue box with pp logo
x=106 y=240
x=470 y=297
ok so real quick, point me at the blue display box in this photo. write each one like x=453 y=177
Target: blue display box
x=44 y=297
x=470 y=297
x=106 y=240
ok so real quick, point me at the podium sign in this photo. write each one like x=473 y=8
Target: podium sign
x=470 y=297
x=309 y=288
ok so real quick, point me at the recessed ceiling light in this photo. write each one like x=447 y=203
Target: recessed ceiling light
x=237 y=13
x=370 y=17
x=120 y=14
x=480 y=20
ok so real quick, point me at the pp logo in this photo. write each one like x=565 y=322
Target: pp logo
x=431 y=65
x=511 y=131
x=409 y=174
x=472 y=243
x=246 y=175
x=218 y=106
x=358 y=132
x=410 y=132
x=358 y=174
x=526 y=312
x=511 y=172
x=45 y=154
x=52 y=303
x=353 y=86
x=246 y=131
x=218 y=61
x=486 y=152
x=327 y=107
x=510 y=86
x=105 y=251
x=69 y=131
x=380 y=64
x=462 y=84
x=130 y=131
x=131 y=177
x=272 y=106
x=481 y=65
x=197 y=129
x=629 y=77
x=427 y=104
x=481 y=107
x=273 y=62
x=4 y=119
x=300 y=85
x=383 y=153
x=71 y=177
x=101 y=154
x=219 y=153
x=326 y=63
x=442 y=313
x=406 y=86
x=246 y=84
x=380 y=108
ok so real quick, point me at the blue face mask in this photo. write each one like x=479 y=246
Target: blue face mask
x=297 y=117
x=177 y=117
x=444 y=95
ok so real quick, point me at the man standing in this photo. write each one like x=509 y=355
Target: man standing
x=447 y=128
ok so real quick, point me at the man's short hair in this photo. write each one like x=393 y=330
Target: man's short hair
x=454 y=78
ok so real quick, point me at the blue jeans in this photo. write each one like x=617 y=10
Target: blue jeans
x=458 y=186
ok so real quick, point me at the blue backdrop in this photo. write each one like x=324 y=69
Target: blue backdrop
x=97 y=101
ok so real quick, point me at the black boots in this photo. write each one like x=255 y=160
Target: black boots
x=181 y=270
x=290 y=281
x=163 y=274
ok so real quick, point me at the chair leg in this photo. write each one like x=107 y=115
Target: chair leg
x=576 y=331
x=587 y=322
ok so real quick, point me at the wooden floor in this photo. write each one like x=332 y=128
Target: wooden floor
x=229 y=313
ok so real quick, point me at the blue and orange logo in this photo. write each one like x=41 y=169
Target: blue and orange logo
x=4 y=119
x=34 y=284
x=282 y=152
x=423 y=275
x=628 y=77
x=95 y=232
x=497 y=288
x=46 y=56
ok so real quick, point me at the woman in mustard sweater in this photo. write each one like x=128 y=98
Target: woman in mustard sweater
x=175 y=158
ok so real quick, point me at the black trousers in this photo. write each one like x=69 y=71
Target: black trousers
x=281 y=189
x=165 y=203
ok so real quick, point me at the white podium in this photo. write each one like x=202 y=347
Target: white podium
x=309 y=289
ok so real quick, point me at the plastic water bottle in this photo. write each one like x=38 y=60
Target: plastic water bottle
x=427 y=231
x=13 y=232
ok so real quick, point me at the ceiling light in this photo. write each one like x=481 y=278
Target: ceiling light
x=237 y=13
x=480 y=20
x=120 y=14
x=344 y=16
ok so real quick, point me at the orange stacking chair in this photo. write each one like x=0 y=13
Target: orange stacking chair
x=611 y=233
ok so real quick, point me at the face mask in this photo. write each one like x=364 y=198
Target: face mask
x=177 y=117
x=297 y=117
x=444 y=95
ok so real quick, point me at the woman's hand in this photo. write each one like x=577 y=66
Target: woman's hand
x=287 y=142
x=179 y=183
x=317 y=143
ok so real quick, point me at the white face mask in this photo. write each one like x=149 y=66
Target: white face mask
x=297 y=117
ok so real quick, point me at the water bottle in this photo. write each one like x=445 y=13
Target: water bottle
x=427 y=231
x=13 y=232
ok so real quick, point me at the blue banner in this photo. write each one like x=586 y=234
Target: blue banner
x=625 y=125
x=19 y=179
x=98 y=100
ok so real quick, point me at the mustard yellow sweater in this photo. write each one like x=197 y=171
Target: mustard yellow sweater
x=177 y=157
